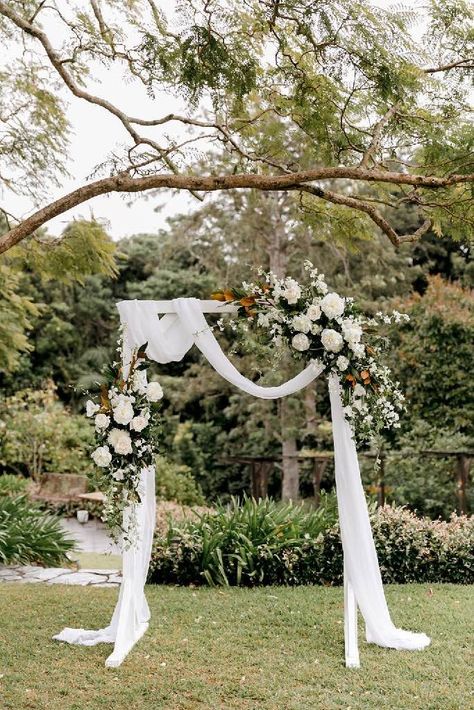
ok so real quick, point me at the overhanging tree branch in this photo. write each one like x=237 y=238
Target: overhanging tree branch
x=123 y=182
x=283 y=130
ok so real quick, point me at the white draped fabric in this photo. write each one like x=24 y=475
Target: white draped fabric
x=169 y=339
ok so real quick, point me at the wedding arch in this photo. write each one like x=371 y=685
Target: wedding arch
x=168 y=339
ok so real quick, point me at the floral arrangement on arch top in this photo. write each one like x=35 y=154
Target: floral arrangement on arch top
x=127 y=419
x=318 y=325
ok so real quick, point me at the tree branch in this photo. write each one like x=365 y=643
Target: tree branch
x=376 y=216
x=458 y=64
x=377 y=135
x=123 y=182
x=75 y=89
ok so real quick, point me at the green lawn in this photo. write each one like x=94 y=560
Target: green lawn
x=265 y=649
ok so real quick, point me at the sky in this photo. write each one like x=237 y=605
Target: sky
x=95 y=134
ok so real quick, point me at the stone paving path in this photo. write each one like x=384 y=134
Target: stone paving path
x=31 y=574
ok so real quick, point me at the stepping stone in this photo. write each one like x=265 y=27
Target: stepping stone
x=43 y=574
x=115 y=578
x=80 y=578
x=100 y=571
x=105 y=584
x=8 y=573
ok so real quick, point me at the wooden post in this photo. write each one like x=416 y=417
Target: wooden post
x=260 y=473
x=462 y=475
x=381 y=486
x=319 y=466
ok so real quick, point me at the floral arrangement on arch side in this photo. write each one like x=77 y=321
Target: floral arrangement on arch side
x=127 y=419
x=321 y=326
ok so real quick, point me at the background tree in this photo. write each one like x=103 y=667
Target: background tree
x=382 y=115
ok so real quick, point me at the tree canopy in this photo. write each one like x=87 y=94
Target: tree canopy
x=343 y=105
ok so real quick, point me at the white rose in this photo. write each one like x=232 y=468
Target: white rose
x=358 y=391
x=352 y=331
x=301 y=323
x=154 y=392
x=140 y=422
x=348 y=411
x=315 y=329
x=102 y=456
x=332 y=340
x=300 y=342
x=102 y=421
x=123 y=411
x=118 y=475
x=342 y=363
x=314 y=311
x=91 y=408
x=357 y=348
x=139 y=381
x=292 y=291
x=120 y=441
x=332 y=305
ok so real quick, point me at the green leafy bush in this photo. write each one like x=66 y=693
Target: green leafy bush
x=264 y=543
x=28 y=536
x=68 y=508
x=176 y=482
x=426 y=483
x=39 y=435
x=243 y=543
x=11 y=485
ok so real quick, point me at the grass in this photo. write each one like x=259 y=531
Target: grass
x=96 y=560
x=262 y=649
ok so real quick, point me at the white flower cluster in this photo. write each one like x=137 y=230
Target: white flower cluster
x=123 y=412
x=124 y=446
x=319 y=324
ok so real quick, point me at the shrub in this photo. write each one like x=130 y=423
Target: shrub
x=176 y=482
x=39 y=435
x=29 y=536
x=263 y=543
x=68 y=508
x=11 y=485
x=426 y=484
x=247 y=543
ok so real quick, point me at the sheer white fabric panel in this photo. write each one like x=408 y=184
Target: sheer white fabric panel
x=169 y=338
x=360 y=556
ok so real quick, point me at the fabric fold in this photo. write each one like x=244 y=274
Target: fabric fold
x=360 y=556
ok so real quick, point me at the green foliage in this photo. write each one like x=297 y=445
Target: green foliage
x=83 y=249
x=28 y=536
x=433 y=354
x=245 y=543
x=35 y=130
x=264 y=544
x=39 y=435
x=176 y=482
x=16 y=314
x=275 y=86
x=12 y=485
x=426 y=484
x=68 y=508
x=36 y=271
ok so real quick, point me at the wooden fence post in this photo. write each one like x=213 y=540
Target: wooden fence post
x=319 y=466
x=381 y=486
x=462 y=474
